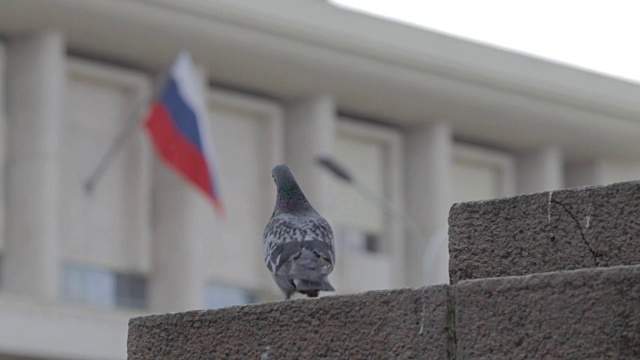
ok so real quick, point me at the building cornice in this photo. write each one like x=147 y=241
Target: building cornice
x=374 y=67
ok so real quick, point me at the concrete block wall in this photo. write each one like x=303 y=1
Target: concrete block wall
x=580 y=314
x=565 y=302
x=550 y=231
x=399 y=324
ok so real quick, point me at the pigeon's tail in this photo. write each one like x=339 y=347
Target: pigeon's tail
x=312 y=287
x=309 y=265
x=308 y=272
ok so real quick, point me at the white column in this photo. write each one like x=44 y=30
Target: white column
x=36 y=84
x=3 y=146
x=309 y=132
x=540 y=170
x=177 y=279
x=428 y=197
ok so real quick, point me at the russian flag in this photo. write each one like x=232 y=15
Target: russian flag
x=179 y=129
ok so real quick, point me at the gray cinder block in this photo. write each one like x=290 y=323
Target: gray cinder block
x=551 y=231
x=399 y=324
x=580 y=314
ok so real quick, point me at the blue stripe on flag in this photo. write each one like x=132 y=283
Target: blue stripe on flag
x=181 y=114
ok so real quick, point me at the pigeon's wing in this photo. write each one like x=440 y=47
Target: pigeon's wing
x=320 y=242
x=286 y=237
x=279 y=242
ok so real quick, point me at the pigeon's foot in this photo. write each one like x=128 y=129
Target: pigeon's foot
x=310 y=293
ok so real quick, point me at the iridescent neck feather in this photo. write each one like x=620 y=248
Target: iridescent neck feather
x=291 y=198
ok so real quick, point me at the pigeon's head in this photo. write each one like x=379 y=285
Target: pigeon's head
x=282 y=175
x=289 y=194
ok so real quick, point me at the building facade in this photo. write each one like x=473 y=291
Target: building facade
x=422 y=120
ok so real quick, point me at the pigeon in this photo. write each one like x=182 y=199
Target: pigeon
x=298 y=242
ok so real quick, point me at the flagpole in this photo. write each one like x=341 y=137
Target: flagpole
x=127 y=130
x=116 y=145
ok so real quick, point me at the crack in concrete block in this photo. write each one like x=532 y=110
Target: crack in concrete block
x=593 y=253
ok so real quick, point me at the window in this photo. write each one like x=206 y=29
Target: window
x=360 y=220
x=371 y=240
x=102 y=287
x=219 y=296
x=247 y=188
x=373 y=155
x=110 y=228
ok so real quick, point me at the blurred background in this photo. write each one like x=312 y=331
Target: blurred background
x=420 y=118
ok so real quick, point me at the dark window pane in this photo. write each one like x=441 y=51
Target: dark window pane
x=372 y=243
x=131 y=291
x=352 y=239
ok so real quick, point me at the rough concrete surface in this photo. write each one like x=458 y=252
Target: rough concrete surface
x=551 y=231
x=399 y=324
x=581 y=314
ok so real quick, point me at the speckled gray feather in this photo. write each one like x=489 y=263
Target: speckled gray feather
x=298 y=242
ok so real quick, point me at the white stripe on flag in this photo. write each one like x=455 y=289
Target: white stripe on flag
x=190 y=87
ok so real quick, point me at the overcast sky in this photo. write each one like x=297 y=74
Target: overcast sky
x=603 y=36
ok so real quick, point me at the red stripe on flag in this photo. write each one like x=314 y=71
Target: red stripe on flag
x=178 y=151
